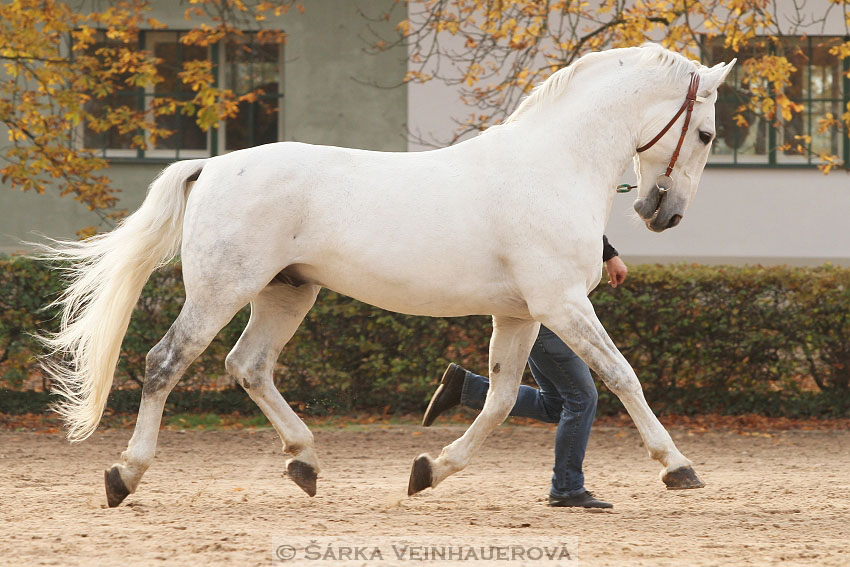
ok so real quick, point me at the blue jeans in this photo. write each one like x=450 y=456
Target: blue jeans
x=567 y=396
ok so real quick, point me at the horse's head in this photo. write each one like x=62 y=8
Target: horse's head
x=669 y=165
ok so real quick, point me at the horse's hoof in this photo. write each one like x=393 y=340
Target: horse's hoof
x=420 y=475
x=116 y=490
x=303 y=475
x=681 y=478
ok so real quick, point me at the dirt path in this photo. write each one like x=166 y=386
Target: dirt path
x=217 y=498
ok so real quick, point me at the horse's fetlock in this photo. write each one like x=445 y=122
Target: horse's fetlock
x=293 y=448
x=449 y=463
x=299 y=445
x=304 y=453
x=656 y=453
x=130 y=474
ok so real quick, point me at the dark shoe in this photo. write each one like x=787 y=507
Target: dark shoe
x=447 y=395
x=582 y=500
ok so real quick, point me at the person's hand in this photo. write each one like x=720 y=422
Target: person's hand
x=617 y=271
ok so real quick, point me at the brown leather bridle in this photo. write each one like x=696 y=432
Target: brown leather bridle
x=665 y=182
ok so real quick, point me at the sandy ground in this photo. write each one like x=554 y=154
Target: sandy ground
x=217 y=498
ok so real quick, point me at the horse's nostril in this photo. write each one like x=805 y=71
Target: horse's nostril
x=674 y=220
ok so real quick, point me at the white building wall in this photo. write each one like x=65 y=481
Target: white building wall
x=747 y=216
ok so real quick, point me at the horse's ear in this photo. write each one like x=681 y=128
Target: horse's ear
x=712 y=78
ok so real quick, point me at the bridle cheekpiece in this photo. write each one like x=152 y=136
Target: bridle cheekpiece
x=664 y=182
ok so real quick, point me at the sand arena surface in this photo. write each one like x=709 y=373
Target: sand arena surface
x=218 y=498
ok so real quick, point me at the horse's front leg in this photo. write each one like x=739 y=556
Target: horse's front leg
x=509 y=348
x=575 y=322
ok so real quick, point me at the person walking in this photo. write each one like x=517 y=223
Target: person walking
x=566 y=395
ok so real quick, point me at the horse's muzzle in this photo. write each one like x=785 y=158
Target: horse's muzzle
x=648 y=206
x=674 y=220
x=659 y=224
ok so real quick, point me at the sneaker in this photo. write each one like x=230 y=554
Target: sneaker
x=447 y=395
x=582 y=500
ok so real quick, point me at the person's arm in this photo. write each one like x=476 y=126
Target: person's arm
x=615 y=267
x=608 y=251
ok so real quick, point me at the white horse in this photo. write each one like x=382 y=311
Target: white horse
x=507 y=224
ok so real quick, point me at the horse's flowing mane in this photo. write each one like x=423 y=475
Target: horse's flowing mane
x=650 y=54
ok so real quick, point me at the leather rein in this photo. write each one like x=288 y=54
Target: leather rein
x=664 y=181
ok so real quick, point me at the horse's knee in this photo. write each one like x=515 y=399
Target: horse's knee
x=500 y=402
x=622 y=383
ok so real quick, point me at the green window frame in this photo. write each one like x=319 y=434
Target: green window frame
x=760 y=144
x=238 y=67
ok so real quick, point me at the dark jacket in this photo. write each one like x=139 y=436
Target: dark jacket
x=608 y=251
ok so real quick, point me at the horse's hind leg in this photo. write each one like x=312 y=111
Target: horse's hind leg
x=195 y=327
x=510 y=346
x=275 y=315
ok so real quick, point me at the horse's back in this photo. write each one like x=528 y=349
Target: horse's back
x=392 y=229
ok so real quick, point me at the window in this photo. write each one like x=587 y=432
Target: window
x=121 y=98
x=244 y=67
x=252 y=67
x=188 y=139
x=819 y=84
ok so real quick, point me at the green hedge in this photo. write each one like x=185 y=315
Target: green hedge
x=734 y=340
x=774 y=341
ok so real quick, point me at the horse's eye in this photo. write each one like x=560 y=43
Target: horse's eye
x=705 y=137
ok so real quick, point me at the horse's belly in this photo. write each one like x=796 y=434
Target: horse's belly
x=434 y=297
x=442 y=306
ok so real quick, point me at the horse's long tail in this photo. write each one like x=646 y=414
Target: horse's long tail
x=105 y=276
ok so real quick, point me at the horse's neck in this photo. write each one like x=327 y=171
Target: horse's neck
x=588 y=136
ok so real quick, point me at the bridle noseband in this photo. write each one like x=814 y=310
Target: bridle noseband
x=664 y=182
